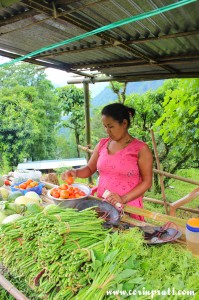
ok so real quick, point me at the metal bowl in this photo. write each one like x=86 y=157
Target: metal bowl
x=71 y=202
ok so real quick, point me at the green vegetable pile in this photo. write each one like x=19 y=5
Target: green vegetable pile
x=13 y=205
x=50 y=249
x=129 y=265
x=64 y=254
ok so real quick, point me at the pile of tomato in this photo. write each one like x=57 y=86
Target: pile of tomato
x=27 y=184
x=65 y=191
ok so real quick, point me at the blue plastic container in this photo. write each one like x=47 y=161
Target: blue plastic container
x=37 y=189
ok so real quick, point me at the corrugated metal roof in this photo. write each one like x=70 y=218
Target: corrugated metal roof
x=163 y=46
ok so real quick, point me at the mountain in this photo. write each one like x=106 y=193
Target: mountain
x=97 y=88
x=107 y=96
x=104 y=97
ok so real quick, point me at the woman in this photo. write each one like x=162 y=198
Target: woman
x=124 y=163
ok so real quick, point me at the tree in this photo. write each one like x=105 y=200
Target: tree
x=119 y=89
x=29 y=114
x=148 y=108
x=172 y=111
x=97 y=128
x=178 y=125
x=72 y=104
x=22 y=74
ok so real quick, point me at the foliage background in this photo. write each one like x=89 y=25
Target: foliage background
x=39 y=121
x=29 y=113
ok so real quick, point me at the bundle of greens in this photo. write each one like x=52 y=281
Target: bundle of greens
x=65 y=254
x=130 y=266
x=49 y=249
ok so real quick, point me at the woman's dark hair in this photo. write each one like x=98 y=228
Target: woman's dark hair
x=119 y=112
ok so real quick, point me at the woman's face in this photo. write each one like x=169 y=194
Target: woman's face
x=113 y=128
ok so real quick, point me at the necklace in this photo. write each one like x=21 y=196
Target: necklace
x=125 y=143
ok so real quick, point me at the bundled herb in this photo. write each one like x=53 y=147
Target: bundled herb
x=50 y=249
x=130 y=265
x=109 y=266
x=63 y=254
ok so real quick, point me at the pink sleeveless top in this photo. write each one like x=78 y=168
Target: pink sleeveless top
x=119 y=172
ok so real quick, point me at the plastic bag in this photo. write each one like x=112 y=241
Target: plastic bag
x=23 y=175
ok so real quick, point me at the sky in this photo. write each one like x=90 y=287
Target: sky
x=59 y=78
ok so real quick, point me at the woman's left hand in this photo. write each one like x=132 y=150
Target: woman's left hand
x=114 y=198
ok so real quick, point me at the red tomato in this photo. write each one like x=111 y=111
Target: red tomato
x=70 y=190
x=64 y=194
x=70 y=180
x=7 y=182
x=33 y=184
x=64 y=187
x=29 y=181
x=56 y=194
x=54 y=190
x=23 y=186
x=82 y=193
x=77 y=195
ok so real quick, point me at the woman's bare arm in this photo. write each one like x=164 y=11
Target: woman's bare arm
x=86 y=171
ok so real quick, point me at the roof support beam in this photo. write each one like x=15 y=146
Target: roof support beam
x=20 y=16
x=134 y=78
x=54 y=65
x=83 y=25
x=139 y=62
x=36 y=62
x=83 y=48
x=163 y=37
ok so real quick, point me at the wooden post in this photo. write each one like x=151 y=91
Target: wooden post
x=7 y=285
x=87 y=119
x=85 y=149
x=161 y=176
x=186 y=199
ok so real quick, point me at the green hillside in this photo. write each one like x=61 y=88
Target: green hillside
x=107 y=96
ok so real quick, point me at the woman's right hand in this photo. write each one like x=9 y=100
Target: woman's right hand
x=69 y=175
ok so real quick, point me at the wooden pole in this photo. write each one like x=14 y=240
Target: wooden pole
x=87 y=119
x=7 y=285
x=161 y=176
x=192 y=210
x=196 y=182
x=85 y=149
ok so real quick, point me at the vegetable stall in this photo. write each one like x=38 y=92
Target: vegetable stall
x=62 y=253
x=54 y=250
